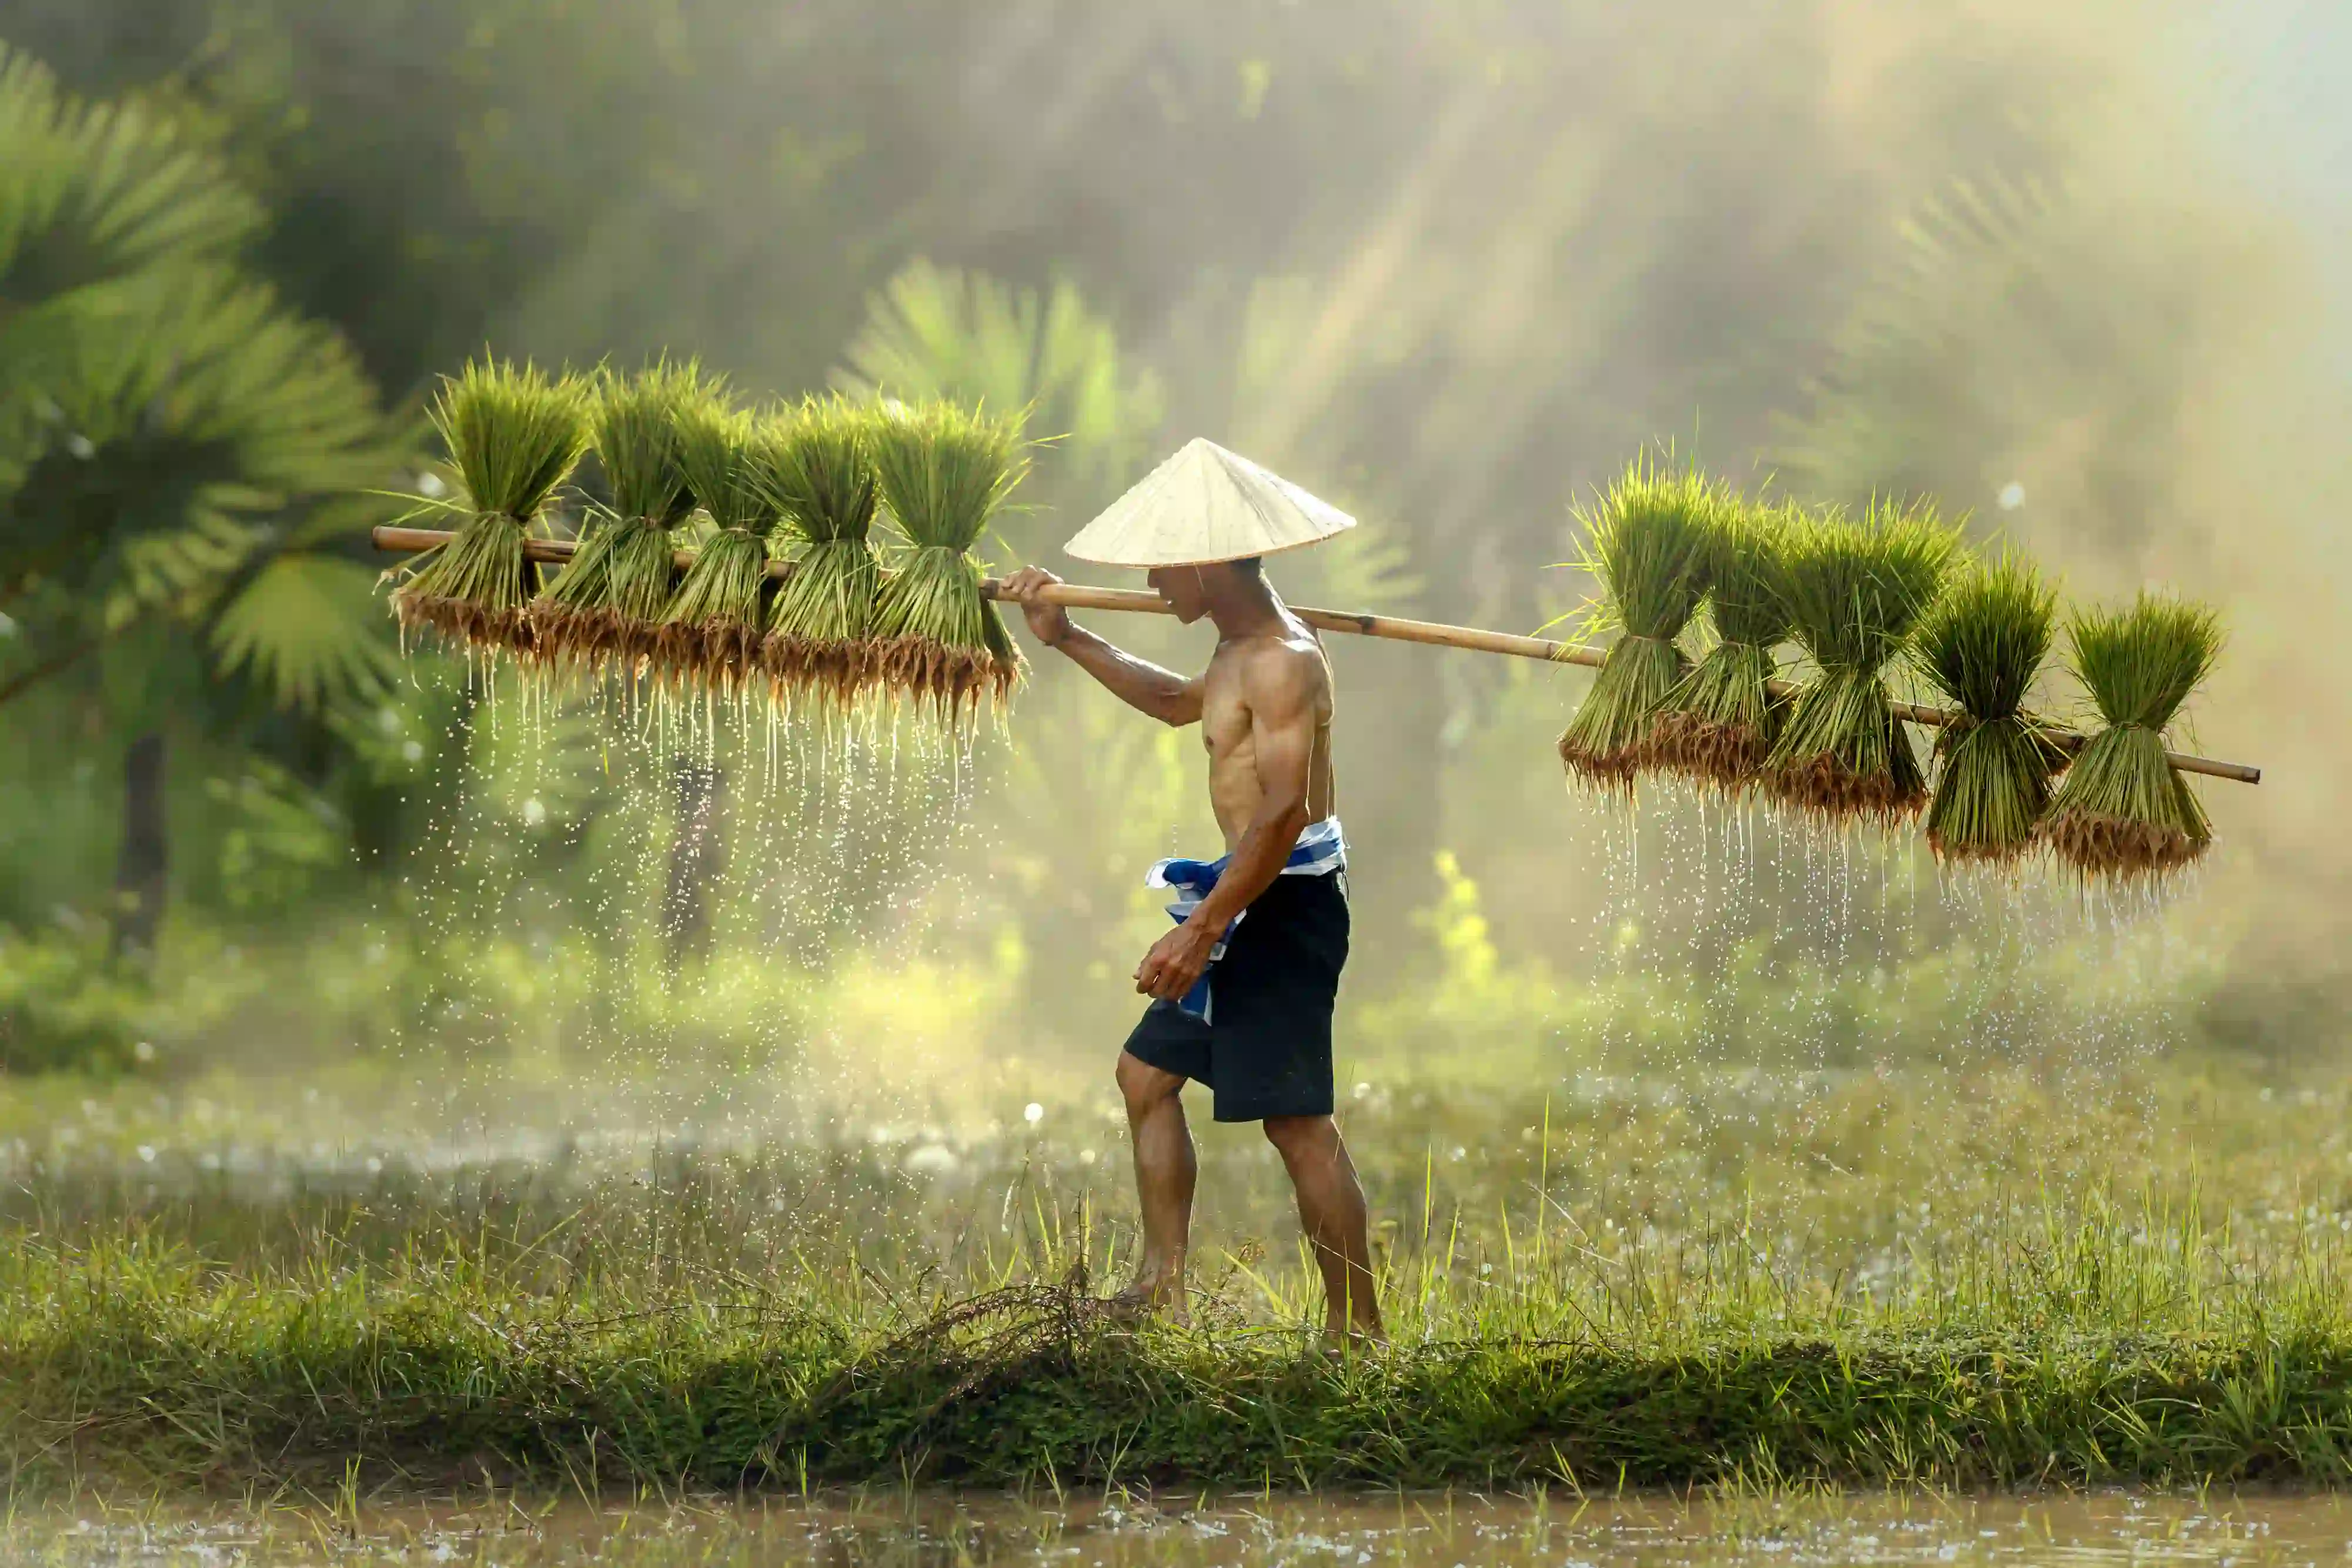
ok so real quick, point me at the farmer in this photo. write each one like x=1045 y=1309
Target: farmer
x=1241 y=989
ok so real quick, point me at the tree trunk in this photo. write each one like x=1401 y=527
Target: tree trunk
x=694 y=862
x=144 y=862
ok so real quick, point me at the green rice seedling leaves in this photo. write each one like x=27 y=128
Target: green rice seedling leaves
x=821 y=628
x=1718 y=726
x=1646 y=541
x=1982 y=646
x=944 y=472
x=1854 y=592
x=2123 y=810
x=712 y=630
x=514 y=434
x=607 y=603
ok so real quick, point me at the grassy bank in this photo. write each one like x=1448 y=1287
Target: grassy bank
x=2103 y=1353
x=2014 y=1277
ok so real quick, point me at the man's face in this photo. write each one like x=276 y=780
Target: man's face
x=1181 y=587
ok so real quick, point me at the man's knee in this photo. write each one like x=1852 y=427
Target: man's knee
x=1144 y=1085
x=1302 y=1137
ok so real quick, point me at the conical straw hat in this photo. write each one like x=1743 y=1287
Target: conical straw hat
x=1205 y=505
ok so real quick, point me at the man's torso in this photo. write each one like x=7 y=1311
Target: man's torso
x=1235 y=788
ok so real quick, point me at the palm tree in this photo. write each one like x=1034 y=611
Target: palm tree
x=178 y=451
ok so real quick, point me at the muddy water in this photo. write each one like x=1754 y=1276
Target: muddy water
x=930 y=1530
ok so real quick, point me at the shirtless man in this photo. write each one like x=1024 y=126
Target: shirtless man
x=1259 y=1033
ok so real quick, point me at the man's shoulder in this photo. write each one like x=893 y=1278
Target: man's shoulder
x=1279 y=662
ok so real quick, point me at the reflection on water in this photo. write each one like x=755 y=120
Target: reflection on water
x=890 y=1529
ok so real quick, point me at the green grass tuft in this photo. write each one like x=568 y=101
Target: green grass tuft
x=1982 y=646
x=821 y=626
x=1646 y=541
x=713 y=627
x=1854 y=591
x=1718 y=724
x=2091 y=1354
x=637 y=423
x=513 y=435
x=603 y=606
x=944 y=471
x=2123 y=810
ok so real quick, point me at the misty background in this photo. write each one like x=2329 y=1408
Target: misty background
x=2080 y=271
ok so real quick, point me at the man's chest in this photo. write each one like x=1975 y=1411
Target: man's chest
x=1224 y=717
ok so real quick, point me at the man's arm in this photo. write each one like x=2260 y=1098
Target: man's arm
x=1141 y=684
x=1282 y=687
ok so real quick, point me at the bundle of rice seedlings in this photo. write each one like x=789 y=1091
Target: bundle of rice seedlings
x=1981 y=645
x=1719 y=724
x=1853 y=592
x=605 y=606
x=712 y=629
x=1646 y=541
x=2123 y=810
x=514 y=435
x=943 y=471
x=821 y=627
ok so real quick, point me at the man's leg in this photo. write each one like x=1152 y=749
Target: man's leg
x=1331 y=1211
x=1165 y=1170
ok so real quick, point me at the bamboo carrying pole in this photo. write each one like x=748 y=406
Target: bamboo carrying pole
x=1077 y=596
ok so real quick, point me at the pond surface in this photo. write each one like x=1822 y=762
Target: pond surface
x=940 y=1530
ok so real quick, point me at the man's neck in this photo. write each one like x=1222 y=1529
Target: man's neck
x=1247 y=607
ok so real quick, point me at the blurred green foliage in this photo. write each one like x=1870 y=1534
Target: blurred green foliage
x=1447 y=265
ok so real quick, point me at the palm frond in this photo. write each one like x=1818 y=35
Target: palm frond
x=305 y=627
x=91 y=193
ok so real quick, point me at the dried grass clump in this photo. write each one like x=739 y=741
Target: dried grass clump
x=1646 y=541
x=1718 y=726
x=513 y=435
x=2123 y=810
x=819 y=640
x=603 y=610
x=1982 y=646
x=944 y=471
x=712 y=633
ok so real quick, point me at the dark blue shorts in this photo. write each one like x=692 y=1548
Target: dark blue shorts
x=1268 y=1052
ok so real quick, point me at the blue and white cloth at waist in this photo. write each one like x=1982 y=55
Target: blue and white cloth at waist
x=1321 y=851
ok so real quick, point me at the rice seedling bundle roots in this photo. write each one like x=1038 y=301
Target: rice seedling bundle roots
x=1854 y=591
x=604 y=607
x=2123 y=810
x=1982 y=646
x=819 y=639
x=1646 y=541
x=1718 y=726
x=514 y=435
x=712 y=631
x=944 y=471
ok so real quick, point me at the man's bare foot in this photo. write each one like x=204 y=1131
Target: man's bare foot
x=1147 y=1297
x=1340 y=1340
